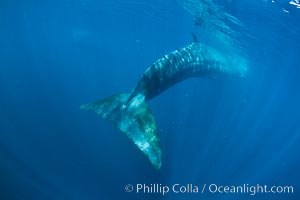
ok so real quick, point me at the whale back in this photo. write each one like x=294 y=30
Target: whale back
x=195 y=60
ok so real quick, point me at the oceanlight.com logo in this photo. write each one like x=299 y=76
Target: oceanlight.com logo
x=207 y=188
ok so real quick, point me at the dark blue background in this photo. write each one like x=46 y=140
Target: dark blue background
x=58 y=55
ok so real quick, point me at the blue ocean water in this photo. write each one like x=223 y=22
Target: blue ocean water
x=58 y=55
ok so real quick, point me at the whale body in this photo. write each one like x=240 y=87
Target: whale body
x=130 y=112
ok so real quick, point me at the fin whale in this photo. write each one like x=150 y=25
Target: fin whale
x=130 y=112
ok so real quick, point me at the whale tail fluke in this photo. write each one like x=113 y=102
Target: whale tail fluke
x=135 y=119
